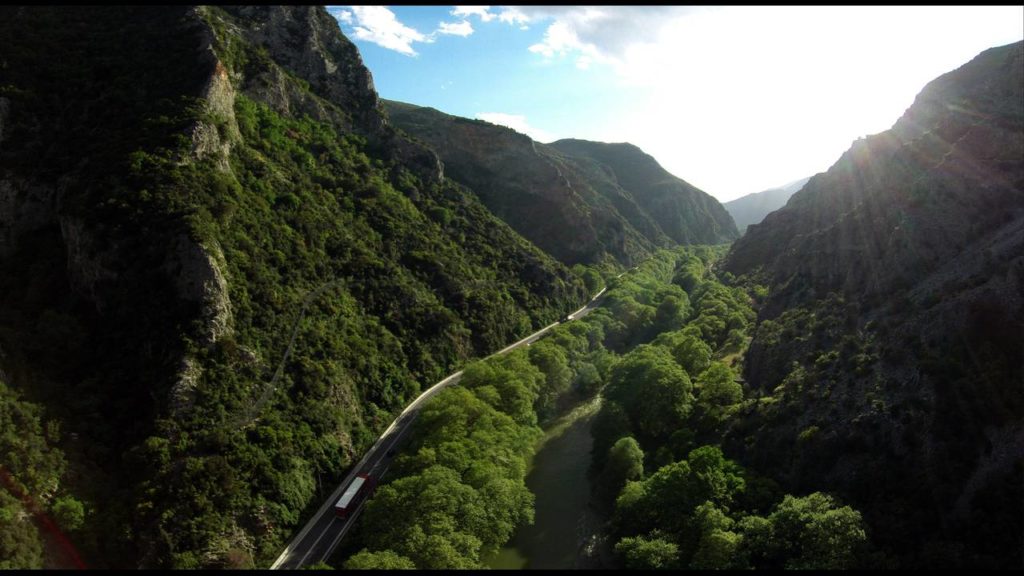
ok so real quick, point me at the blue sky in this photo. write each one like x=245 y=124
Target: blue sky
x=732 y=99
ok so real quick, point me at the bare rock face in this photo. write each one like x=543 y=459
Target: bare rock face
x=306 y=42
x=198 y=278
x=90 y=263
x=24 y=207
x=214 y=139
x=182 y=394
x=5 y=110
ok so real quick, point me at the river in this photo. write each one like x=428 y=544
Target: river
x=557 y=476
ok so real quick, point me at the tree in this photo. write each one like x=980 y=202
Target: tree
x=719 y=546
x=712 y=326
x=689 y=274
x=640 y=553
x=671 y=313
x=610 y=424
x=670 y=499
x=70 y=513
x=815 y=533
x=653 y=389
x=382 y=560
x=718 y=478
x=717 y=386
x=591 y=277
x=448 y=519
x=635 y=317
x=20 y=545
x=516 y=381
x=550 y=359
x=625 y=462
x=647 y=553
x=440 y=546
x=759 y=544
x=718 y=550
x=631 y=514
x=588 y=379
x=687 y=349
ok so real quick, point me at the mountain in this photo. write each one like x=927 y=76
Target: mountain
x=890 y=346
x=685 y=213
x=579 y=201
x=223 y=272
x=752 y=208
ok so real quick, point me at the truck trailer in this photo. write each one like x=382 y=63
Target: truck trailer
x=361 y=485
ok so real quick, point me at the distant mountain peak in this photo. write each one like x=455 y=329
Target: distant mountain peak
x=752 y=208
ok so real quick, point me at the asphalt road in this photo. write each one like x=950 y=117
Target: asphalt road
x=321 y=535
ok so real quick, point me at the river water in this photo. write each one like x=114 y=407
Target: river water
x=564 y=526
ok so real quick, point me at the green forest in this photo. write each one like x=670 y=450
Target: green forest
x=225 y=270
x=664 y=352
x=349 y=281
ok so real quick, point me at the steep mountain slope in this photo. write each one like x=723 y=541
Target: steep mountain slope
x=223 y=271
x=577 y=204
x=684 y=213
x=891 y=345
x=752 y=208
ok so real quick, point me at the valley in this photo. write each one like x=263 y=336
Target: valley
x=234 y=278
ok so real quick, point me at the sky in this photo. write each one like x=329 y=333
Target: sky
x=732 y=99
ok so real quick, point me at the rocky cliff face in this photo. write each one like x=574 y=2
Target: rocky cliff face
x=891 y=345
x=306 y=42
x=580 y=201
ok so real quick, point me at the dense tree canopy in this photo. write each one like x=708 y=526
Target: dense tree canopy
x=655 y=392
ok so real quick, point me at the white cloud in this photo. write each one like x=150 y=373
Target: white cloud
x=379 y=25
x=732 y=99
x=341 y=14
x=463 y=28
x=778 y=92
x=466 y=11
x=515 y=16
x=516 y=122
x=558 y=39
x=601 y=33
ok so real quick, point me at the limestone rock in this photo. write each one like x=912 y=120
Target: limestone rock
x=198 y=278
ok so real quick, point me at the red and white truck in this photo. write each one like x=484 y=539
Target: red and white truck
x=360 y=487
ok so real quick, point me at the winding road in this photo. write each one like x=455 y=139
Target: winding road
x=321 y=535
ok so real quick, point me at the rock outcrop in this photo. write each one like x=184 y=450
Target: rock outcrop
x=198 y=279
x=306 y=42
